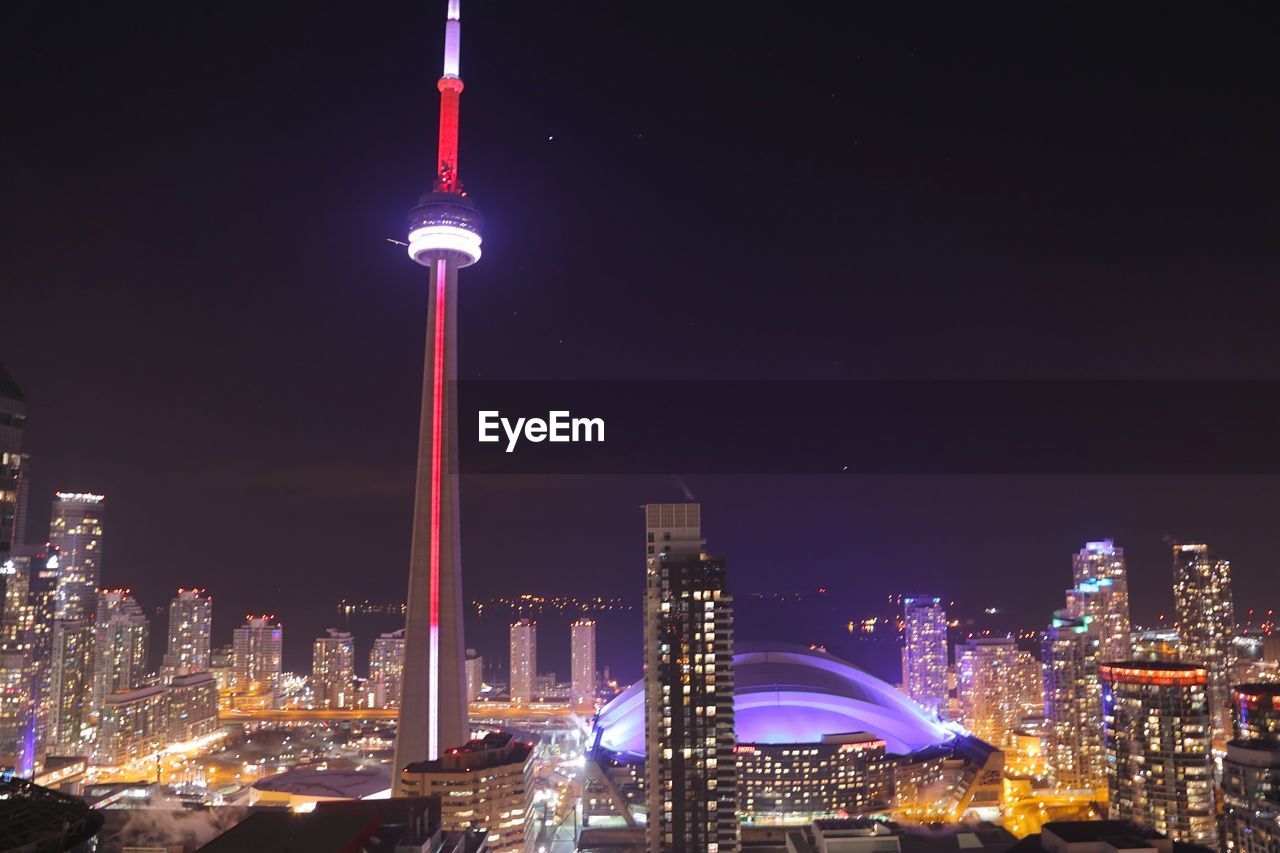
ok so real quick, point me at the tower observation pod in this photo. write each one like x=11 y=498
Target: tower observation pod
x=444 y=236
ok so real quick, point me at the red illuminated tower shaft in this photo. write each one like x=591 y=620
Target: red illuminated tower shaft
x=444 y=236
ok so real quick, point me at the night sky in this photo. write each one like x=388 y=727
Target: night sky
x=211 y=328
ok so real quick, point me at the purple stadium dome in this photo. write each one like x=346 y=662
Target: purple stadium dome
x=790 y=694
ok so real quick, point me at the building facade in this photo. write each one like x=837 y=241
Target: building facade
x=1251 y=772
x=1158 y=736
x=485 y=783
x=843 y=775
x=256 y=657
x=989 y=687
x=121 y=638
x=71 y=685
x=76 y=533
x=1101 y=567
x=192 y=700
x=924 y=652
x=333 y=670
x=133 y=724
x=190 y=628
x=1070 y=653
x=13 y=419
x=582 y=649
x=1206 y=621
x=691 y=776
x=386 y=669
x=524 y=659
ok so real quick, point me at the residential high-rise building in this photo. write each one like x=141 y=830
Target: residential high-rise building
x=13 y=418
x=924 y=652
x=333 y=669
x=190 y=627
x=192 y=700
x=444 y=236
x=1070 y=653
x=989 y=687
x=1206 y=622
x=484 y=783
x=475 y=675
x=524 y=659
x=386 y=669
x=1251 y=772
x=27 y=603
x=1157 y=735
x=1100 y=566
x=71 y=685
x=121 y=637
x=133 y=724
x=691 y=776
x=76 y=533
x=256 y=656
x=582 y=651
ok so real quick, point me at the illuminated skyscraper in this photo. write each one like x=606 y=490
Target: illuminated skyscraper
x=444 y=236
x=1073 y=701
x=1251 y=771
x=924 y=652
x=1160 y=771
x=1206 y=621
x=13 y=417
x=256 y=656
x=691 y=776
x=190 y=626
x=1100 y=568
x=333 y=669
x=76 y=533
x=582 y=648
x=524 y=659
x=71 y=685
x=989 y=688
x=386 y=669
x=120 y=641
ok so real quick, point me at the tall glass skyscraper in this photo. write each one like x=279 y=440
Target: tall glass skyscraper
x=120 y=643
x=524 y=659
x=1070 y=652
x=989 y=687
x=582 y=663
x=924 y=652
x=76 y=531
x=190 y=627
x=1251 y=771
x=1100 y=574
x=1206 y=622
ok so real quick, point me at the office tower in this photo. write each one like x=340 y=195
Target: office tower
x=386 y=669
x=333 y=669
x=1101 y=566
x=582 y=651
x=691 y=772
x=444 y=236
x=924 y=652
x=1070 y=653
x=256 y=649
x=484 y=783
x=475 y=675
x=13 y=417
x=120 y=641
x=988 y=687
x=1251 y=771
x=133 y=724
x=524 y=659
x=190 y=626
x=1157 y=736
x=1206 y=622
x=76 y=533
x=192 y=705
x=71 y=685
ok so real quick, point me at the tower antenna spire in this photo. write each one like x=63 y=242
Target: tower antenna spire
x=450 y=87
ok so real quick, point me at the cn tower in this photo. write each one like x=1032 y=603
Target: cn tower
x=444 y=237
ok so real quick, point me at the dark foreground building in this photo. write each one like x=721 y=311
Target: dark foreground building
x=36 y=819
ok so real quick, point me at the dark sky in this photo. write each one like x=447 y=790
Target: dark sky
x=201 y=305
